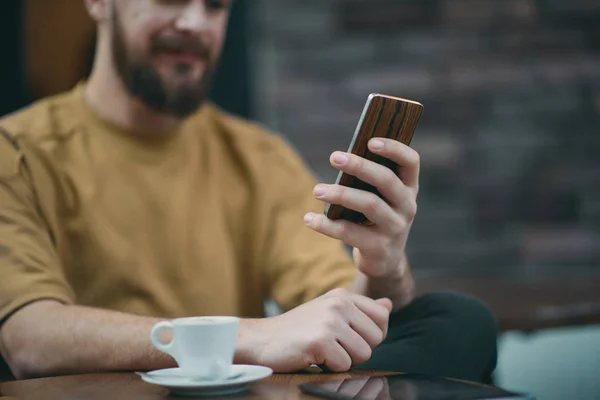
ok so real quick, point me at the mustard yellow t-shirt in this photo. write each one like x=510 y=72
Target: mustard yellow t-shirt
x=207 y=220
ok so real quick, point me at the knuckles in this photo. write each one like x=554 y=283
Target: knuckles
x=358 y=163
x=409 y=156
x=377 y=249
x=411 y=210
x=338 y=292
x=340 y=194
x=405 y=155
x=364 y=356
x=389 y=178
x=318 y=343
x=335 y=304
x=373 y=205
x=339 y=303
x=317 y=222
x=414 y=159
x=343 y=229
x=342 y=367
x=399 y=228
x=381 y=334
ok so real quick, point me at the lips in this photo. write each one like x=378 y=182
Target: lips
x=182 y=56
x=180 y=49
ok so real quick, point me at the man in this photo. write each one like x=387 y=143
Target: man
x=130 y=199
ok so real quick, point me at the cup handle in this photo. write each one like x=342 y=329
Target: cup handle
x=156 y=342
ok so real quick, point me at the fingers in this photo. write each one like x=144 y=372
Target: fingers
x=387 y=303
x=355 y=344
x=408 y=159
x=367 y=317
x=366 y=327
x=337 y=358
x=354 y=235
x=383 y=178
x=354 y=325
x=377 y=312
x=372 y=206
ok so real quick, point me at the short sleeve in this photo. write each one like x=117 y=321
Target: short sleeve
x=302 y=264
x=29 y=265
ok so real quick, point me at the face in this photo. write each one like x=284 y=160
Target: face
x=166 y=51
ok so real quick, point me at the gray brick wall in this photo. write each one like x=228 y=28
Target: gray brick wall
x=510 y=136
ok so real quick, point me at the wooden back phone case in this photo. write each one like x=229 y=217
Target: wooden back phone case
x=386 y=117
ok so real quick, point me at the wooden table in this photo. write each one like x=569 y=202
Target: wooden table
x=117 y=386
x=130 y=386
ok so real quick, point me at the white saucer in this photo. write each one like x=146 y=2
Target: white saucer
x=180 y=385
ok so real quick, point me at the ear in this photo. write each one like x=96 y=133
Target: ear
x=98 y=9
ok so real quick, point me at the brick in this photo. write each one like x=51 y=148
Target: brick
x=511 y=90
x=382 y=16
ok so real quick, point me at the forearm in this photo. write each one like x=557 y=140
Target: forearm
x=48 y=338
x=400 y=288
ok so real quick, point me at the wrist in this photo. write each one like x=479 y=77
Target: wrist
x=248 y=342
x=398 y=284
x=402 y=269
x=394 y=266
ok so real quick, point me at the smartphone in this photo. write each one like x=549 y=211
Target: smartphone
x=407 y=387
x=386 y=117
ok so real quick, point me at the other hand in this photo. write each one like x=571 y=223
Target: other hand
x=338 y=330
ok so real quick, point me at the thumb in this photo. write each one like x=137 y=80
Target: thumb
x=387 y=303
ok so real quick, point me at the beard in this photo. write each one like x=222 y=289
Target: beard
x=144 y=82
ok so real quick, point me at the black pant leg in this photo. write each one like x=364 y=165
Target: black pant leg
x=442 y=334
x=5 y=373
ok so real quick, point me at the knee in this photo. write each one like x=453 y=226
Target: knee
x=465 y=323
x=468 y=314
x=461 y=309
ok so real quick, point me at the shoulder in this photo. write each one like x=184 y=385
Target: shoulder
x=48 y=118
x=35 y=134
x=10 y=155
x=257 y=142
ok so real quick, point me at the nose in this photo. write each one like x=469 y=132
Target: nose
x=193 y=17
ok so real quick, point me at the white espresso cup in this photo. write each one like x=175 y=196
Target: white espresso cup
x=203 y=347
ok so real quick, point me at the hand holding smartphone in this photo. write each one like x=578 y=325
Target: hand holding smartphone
x=385 y=117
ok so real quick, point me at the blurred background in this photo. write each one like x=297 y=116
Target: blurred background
x=509 y=207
